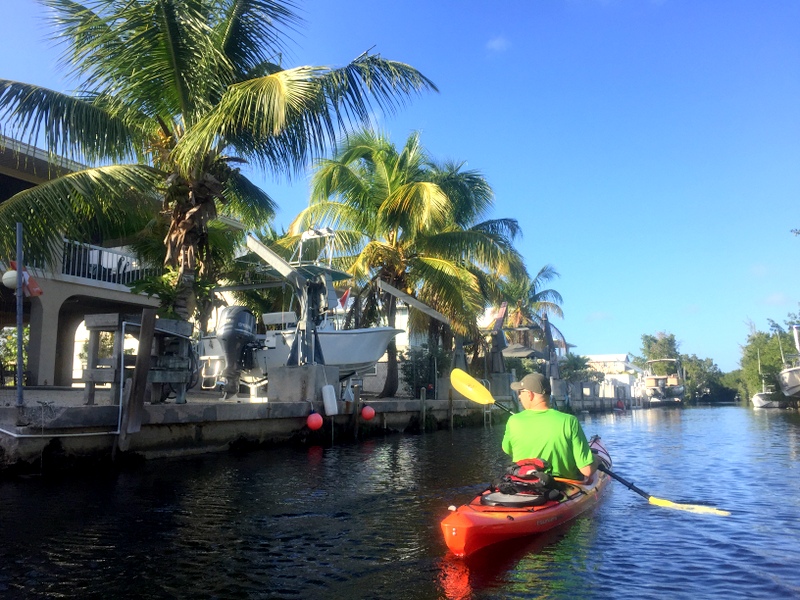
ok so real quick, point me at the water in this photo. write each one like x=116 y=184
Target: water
x=362 y=521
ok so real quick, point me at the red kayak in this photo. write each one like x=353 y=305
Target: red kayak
x=493 y=517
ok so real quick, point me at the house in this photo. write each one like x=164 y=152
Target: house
x=86 y=278
x=623 y=379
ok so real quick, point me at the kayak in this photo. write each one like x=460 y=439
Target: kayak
x=493 y=517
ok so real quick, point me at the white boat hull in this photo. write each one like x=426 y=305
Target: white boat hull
x=789 y=380
x=767 y=400
x=352 y=351
x=658 y=401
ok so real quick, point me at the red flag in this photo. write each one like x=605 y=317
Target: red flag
x=29 y=285
x=343 y=299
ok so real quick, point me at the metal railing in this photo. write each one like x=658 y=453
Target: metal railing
x=105 y=265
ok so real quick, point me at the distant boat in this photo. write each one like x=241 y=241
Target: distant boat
x=789 y=377
x=767 y=397
x=665 y=389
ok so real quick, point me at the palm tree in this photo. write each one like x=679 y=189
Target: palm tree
x=528 y=302
x=411 y=223
x=172 y=96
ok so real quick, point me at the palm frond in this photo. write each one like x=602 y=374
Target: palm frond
x=71 y=127
x=287 y=118
x=377 y=256
x=106 y=42
x=490 y=252
x=247 y=202
x=250 y=33
x=451 y=289
x=264 y=119
x=103 y=200
x=505 y=228
x=416 y=207
x=550 y=308
x=336 y=215
x=371 y=82
x=338 y=178
x=545 y=274
x=469 y=192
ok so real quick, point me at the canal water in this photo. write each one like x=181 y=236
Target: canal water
x=362 y=521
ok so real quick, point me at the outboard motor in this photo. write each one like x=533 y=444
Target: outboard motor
x=236 y=329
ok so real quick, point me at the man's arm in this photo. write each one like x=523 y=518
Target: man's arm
x=589 y=469
x=581 y=449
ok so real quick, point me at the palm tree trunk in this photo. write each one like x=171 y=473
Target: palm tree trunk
x=185 y=299
x=187 y=237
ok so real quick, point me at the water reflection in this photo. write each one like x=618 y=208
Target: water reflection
x=533 y=565
x=362 y=521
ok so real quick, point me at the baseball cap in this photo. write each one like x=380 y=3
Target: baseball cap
x=535 y=382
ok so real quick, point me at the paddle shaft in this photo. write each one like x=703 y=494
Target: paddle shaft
x=624 y=482
x=505 y=408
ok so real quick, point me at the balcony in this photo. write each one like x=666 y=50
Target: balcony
x=104 y=267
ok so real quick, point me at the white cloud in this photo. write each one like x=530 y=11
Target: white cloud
x=498 y=44
x=777 y=299
x=599 y=316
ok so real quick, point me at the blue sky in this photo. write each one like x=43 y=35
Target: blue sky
x=650 y=149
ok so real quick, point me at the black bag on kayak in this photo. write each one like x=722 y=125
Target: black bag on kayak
x=529 y=476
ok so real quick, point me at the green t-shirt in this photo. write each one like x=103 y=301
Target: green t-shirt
x=551 y=435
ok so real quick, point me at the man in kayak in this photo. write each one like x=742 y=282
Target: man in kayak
x=541 y=432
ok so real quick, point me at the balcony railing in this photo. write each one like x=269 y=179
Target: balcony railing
x=105 y=265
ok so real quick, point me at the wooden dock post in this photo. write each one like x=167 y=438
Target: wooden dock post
x=450 y=407
x=423 y=394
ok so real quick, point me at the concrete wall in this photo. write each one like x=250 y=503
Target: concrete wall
x=90 y=433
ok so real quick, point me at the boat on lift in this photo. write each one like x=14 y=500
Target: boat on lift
x=238 y=350
x=664 y=382
x=353 y=351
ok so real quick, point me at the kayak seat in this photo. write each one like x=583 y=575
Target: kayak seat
x=513 y=500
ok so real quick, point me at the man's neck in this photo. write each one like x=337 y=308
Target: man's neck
x=538 y=403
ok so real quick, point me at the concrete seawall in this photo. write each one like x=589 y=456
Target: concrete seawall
x=54 y=428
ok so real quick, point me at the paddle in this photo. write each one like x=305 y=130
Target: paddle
x=466 y=385
x=695 y=508
x=472 y=389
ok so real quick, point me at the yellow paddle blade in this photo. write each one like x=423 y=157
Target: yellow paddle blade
x=695 y=508
x=466 y=385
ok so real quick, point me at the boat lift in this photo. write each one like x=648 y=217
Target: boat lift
x=309 y=292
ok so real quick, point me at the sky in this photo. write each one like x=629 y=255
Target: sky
x=650 y=149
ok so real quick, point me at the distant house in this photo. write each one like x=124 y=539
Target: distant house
x=623 y=379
